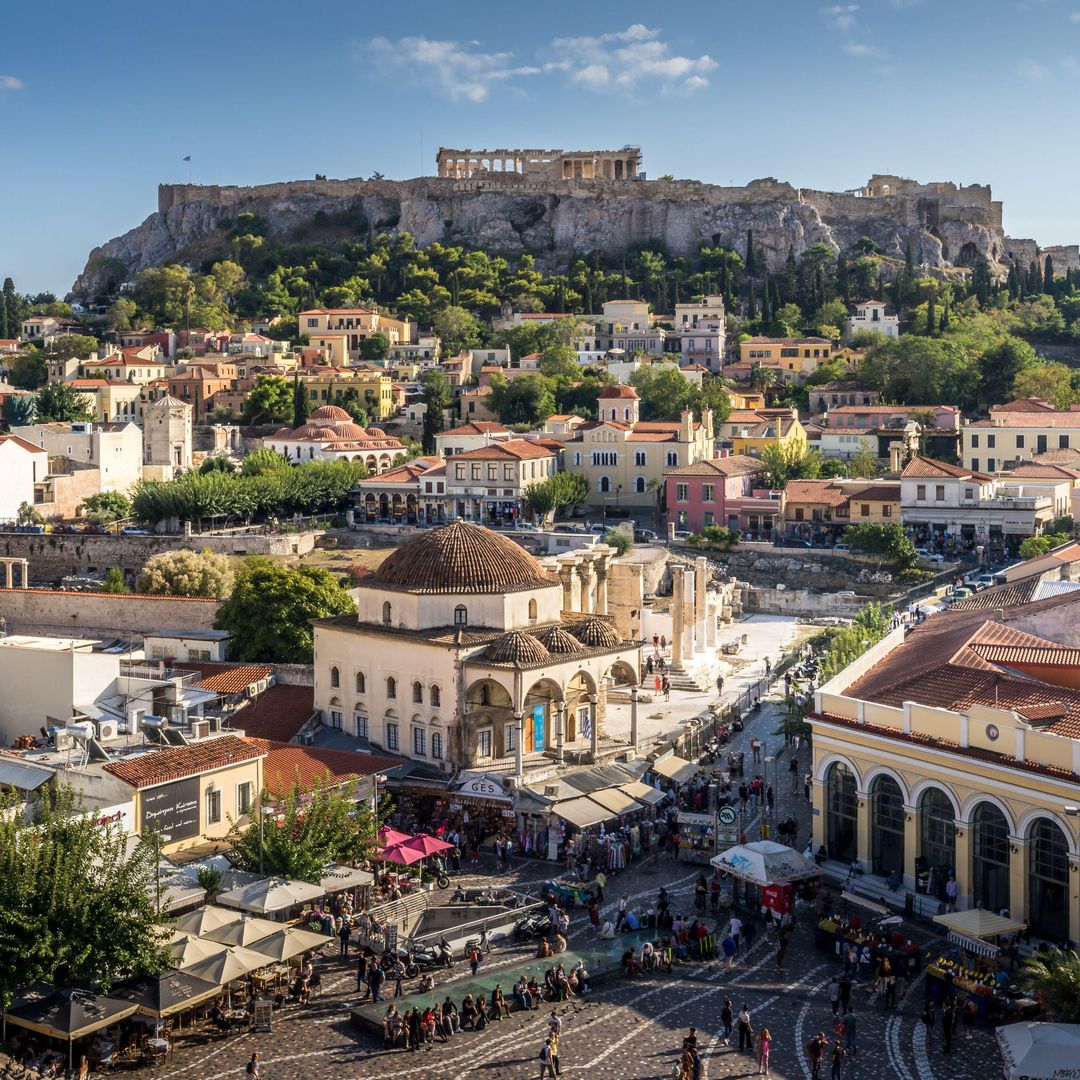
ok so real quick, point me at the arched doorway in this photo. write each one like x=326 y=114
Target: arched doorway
x=538 y=719
x=989 y=858
x=937 y=840
x=841 y=808
x=1048 y=880
x=887 y=826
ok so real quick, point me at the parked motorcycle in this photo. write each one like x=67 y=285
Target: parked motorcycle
x=534 y=925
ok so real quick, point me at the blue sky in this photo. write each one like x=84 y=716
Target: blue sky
x=104 y=100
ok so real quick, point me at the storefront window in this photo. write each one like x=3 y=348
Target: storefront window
x=937 y=839
x=842 y=822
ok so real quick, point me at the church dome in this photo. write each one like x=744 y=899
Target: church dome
x=557 y=641
x=516 y=647
x=619 y=390
x=596 y=634
x=461 y=558
x=329 y=412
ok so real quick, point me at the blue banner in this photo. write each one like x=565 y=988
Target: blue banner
x=538 y=728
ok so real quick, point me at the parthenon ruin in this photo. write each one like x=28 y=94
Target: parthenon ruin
x=624 y=164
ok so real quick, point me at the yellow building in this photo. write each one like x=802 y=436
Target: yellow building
x=957 y=751
x=795 y=354
x=749 y=431
x=872 y=504
x=374 y=388
x=1017 y=432
x=110 y=399
x=356 y=324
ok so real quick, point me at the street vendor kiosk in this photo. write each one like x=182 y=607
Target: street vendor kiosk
x=768 y=871
x=872 y=925
x=697 y=838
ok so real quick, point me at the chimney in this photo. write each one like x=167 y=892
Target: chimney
x=896 y=456
x=686 y=426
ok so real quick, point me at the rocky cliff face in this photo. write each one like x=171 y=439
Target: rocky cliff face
x=559 y=222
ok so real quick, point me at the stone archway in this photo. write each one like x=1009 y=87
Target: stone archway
x=541 y=706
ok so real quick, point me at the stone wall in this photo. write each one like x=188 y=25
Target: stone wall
x=52 y=556
x=804 y=603
x=45 y=611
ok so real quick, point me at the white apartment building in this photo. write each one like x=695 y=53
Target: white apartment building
x=115 y=449
x=870 y=315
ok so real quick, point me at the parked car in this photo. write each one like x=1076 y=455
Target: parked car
x=792 y=541
x=570 y=529
x=682 y=535
x=841 y=546
x=95 y=530
x=929 y=556
x=645 y=536
x=598 y=529
x=135 y=530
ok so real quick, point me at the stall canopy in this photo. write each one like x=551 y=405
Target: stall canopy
x=400 y=854
x=168 y=993
x=650 y=796
x=245 y=931
x=615 y=800
x=763 y=862
x=1039 y=1051
x=337 y=878
x=289 y=942
x=675 y=768
x=426 y=845
x=180 y=892
x=271 y=894
x=973 y=929
x=389 y=837
x=582 y=812
x=203 y=920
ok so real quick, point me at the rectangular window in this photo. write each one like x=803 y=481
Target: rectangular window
x=975 y=464
x=213 y=807
x=392 y=737
x=460 y=474
x=682 y=492
x=920 y=492
x=510 y=738
x=886 y=511
x=493 y=473
x=483 y=743
x=436 y=745
x=969 y=493
x=419 y=742
x=991 y=464
x=361 y=725
x=335 y=719
x=709 y=518
x=1019 y=442
x=476 y=472
x=991 y=442
x=864 y=509
x=974 y=442
x=939 y=492
x=243 y=798
x=1063 y=442
x=708 y=492
x=508 y=473
x=798 y=513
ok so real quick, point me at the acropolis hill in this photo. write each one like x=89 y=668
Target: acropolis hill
x=561 y=205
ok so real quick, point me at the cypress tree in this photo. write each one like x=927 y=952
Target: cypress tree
x=1014 y=282
x=9 y=302
x=751 y=302
x=1048 y=275
x=300 y=403
x=909 y=259
x=751 y=255
x=766 y=309
x=945 y=316
x=898 y=293
x=930 y=313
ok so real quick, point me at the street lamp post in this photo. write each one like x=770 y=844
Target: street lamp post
x=162 y=840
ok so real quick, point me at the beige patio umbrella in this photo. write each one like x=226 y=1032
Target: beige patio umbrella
x=202 y=920
x=232 y=964
x=271 y=894
x=245 y=931
x=289 y=942
x=187 y=949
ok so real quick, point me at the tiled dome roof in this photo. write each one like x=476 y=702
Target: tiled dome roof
x=330 y=412
x=596 y=634
x=618 y=391
x=556 y=640
x=517 y=647
x=376 y=432
x=317 y=431
x=352 y=431
x=461 y=558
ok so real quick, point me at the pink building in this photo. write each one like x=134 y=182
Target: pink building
x=721 y=491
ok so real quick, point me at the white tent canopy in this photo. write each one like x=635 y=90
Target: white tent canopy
x=289 y=942
x=203 y=920
x=675 y=768
x=245 y=931
x=271 y=894
x=1037 y=1051
x=337 y=878
x=764 y=862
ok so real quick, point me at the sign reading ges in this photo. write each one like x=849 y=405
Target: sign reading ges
x=172 y=809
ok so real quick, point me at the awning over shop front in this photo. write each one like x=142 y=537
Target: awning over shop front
x=972 y=930
x=615 y=800
x=582 y=812
x=650 y=796
x=675 y=768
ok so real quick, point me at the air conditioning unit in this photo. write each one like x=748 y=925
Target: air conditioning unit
x=551 y=791
x=307 y=738
x=509 y=783
x=200 y=729
x=62 y=738
x=107 y=729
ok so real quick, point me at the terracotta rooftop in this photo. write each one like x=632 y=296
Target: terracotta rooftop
x=460 y=558
x=786 y=341
x=1029 y=404
x=480 y=427
x=878 y=493
x=822 y=492
x=161 y=766
x=617 y=391
x=517 y=647
x=512 y=448
x=279 y=712
x=287 y=765
x=924 y=468
x=1036 y=418
x=735 y=465
x=225 y=678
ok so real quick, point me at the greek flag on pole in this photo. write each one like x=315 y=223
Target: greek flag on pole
x=188 y=158
x=586 y=723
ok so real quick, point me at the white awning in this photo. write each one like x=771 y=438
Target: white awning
x=978 y=923
x=650 y=796
x=675 y=768
x=615 y=800
x=582 y=812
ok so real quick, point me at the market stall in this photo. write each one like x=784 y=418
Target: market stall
x=873 y=927
x=697 y=837
x=674 y=768
x=1036 y=1051
x=769 y=872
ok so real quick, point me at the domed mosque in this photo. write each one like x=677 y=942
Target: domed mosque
x=463 y=656
x=330 y=433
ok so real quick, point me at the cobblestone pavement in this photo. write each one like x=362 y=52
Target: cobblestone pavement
x=627 y=1029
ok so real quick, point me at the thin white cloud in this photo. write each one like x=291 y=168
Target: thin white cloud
x=1070 y=65
x=9 y=82
x=1032 y=69
x=862 y=49
x=842 y=16
x=1074 y=17
x=614 y=62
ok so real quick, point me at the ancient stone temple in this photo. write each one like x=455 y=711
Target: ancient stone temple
x=624 y=164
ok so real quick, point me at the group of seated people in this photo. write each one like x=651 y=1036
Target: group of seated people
x=550 y=945
x=653 y=956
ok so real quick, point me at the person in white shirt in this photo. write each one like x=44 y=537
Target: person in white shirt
x=736 y=928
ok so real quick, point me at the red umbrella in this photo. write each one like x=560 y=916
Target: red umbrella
x=400 y=854
x=389 y=837
x=426 y=845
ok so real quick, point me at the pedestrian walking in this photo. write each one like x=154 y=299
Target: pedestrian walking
x=546 y=1067
x=343 y=938
x=474 y=960
x=624 y=903
x=851 y=1034
x=748 y=932
x=720 y=684
x=770 y=798
x=837 y=1059
x=834 y=994
x=727 y=1019
x=736 y=929
x=375 y=981
x=764 y=1043
x=667 y=688
x=656 y=684
x=815 y=1051
x=781 y=949
x=890 y=991
x=845 y=993
x=948 y=1024
x=952 y=891
x=252 y=1070
x=361 y=976
x=729 y=949
x=968 y=1014
x=807 y=786
x=397 y=973
x=793 y=772
x=928 y=1020
x=755 y=749
x=746 y=1029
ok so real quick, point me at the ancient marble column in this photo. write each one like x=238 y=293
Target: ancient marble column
x=601 y=584
x=587 y=576
x=678 y=605
x=560 y=731
x=712 y=605
x=567 y=577
x=700 y=576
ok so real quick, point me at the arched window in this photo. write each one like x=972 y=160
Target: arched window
x=937 y=839
x=887 y=826
x=418 y=693
x=640 y=484
x=990 y=858
x=361 y=683
x=461 y=615
x=485 y=695
x=436 y=744
x=1048 y=880
x=673 y=457
x=435 y=695
x=386 y=613
x=626 y=415
x=639 y=458
x=532 y=611
x=391 y=687
x=335 y=677
x=842 y=822
x=605 y=484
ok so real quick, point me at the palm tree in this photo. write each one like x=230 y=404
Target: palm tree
x=1055 y=978
x=762 y=378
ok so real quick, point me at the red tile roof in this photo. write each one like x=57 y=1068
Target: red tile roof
x=820 y=492
x=175 y=763
x=225 y=678
x=930 y=469
x=287 y=764
x=734 y=465
x=279 y=712
x=618 y=391
x=512 y=448
x=480 y=427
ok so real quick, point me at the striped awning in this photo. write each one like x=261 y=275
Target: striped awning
x=973 y=945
